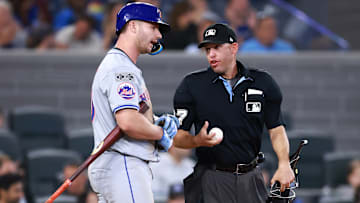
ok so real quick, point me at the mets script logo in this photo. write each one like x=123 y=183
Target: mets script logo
x=126 y=90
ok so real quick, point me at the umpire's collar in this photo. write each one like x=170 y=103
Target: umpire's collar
x=242 y=71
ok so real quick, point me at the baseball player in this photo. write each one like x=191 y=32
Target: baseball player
x=122 y=174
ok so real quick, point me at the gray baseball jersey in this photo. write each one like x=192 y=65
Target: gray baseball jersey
x=119 y=84
x=125 y=176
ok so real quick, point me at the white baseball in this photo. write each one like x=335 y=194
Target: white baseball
x=218 y=133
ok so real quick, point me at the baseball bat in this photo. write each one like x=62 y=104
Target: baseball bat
x=109 y=140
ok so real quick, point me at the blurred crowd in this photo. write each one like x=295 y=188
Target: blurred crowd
x=168 y=175
x=90 y=24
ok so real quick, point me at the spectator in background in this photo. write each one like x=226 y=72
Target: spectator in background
x=166 y=7
x=80 y=35
x=11 y=188
x=11 y=33
x=2 y=118
x=241 y=17
x=208 y=19
x=109 y=24
x=32 y=13
x=200 y=7
x=7 y=165
x=353 y=179
x=41 y=38
x=153 y=2
x=266 y=38
x=96 y=8
x=69 y=14
x=183 y=29
x=176 y=193
x=172 y=169
x=91 y=197
x=79 y=187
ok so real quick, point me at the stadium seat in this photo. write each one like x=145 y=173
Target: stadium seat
x=61 y=199
x=44 y=168
x=334 y=199
x=9 y=145
x=37 y=127
x=337 y=167
x=311 y=165
x=81 y=141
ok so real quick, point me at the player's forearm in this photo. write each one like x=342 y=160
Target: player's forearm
x=184 y=139
x=137 y=126
x=280 y=144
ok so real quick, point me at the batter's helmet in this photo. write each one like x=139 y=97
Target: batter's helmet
x=140 y=11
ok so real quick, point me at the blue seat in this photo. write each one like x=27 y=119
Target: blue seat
x=337 y=167
x=44 y=168
x=82 y=141
x=38 y=127
x=9 y=144
x=311 y=165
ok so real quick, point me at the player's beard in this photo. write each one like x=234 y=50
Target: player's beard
x=144 y=42
x=218 y=71
x=144 y=46
x=223 y=67
x=218 y=68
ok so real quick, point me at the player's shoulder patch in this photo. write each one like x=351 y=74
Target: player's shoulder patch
x=124 y=76
x=126 y=90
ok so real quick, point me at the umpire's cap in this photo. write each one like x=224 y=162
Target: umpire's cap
x=218 y=33
x=140 y=11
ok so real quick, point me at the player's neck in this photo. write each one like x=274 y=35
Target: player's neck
x=231 y=72
x=129 y=49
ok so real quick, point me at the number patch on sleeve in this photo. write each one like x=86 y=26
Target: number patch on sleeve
x=181 y=114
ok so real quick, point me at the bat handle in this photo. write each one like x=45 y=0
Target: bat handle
x=60 y=190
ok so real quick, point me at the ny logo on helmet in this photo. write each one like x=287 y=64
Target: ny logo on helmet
x=159 y=12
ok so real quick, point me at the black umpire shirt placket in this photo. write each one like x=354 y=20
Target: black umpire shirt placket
x=243 y=72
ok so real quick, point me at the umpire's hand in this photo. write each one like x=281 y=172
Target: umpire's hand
x=284 y=175
x=203 y=139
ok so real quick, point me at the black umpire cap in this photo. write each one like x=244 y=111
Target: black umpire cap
x=218 y=33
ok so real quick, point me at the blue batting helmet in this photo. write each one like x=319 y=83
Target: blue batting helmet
x=140 y=11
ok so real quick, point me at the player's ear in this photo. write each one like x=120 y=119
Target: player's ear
x=234 y=48
x=133 y=26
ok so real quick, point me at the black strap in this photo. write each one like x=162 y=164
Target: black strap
x=243 y=168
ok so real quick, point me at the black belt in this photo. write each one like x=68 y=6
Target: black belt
x=243 y=168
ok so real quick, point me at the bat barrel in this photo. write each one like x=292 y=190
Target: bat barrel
x=58 y=192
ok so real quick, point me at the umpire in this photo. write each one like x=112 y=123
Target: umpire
x=240 y=101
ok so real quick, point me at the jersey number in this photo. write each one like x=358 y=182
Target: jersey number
x=181 y=114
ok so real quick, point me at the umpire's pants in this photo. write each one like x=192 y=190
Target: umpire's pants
x=211 y=186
